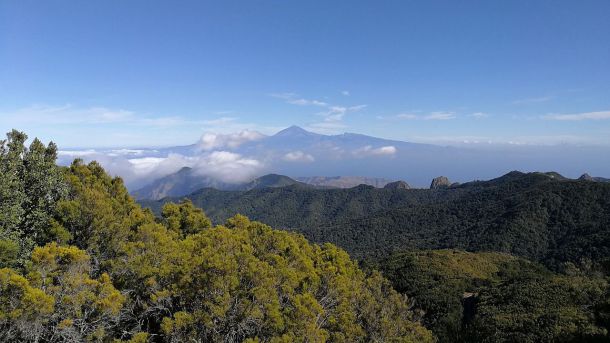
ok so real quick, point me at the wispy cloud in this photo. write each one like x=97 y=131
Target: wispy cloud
x=533 y=100
x=220 y=121
x=370 y=151
x=510 y=140
x=73 y=115
x=336 y=113
x=298 y=156
x=211 y=141
x=333 y=115
x=306 y=102
x=100 y=126
x=137 y=170
x=230 y=125
x=439 y=115
x=600 y=115
x=294 y=99
x=407 y=116
x=479 y=115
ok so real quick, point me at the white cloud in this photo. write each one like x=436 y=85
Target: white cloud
x=230 y=125
x=600 y=115
x=211 y=141
x=305 y=102
x=223 y=165
x=146 y=165
x=479 y=115
x=533 y=100
x=73 y=115
x=336 y=113
x=497 y=140
x=285 y=96
x=220 y=121
x=333 y=114
x=128 y=152
x=439 y=116
x=75 y=153
x=370 y=151
x=293 y=99
x=227 y=166
x=407 y=116
x=298 y=156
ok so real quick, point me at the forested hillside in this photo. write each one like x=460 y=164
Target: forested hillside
x=81 y=261
x=493 y=297
x=540 y=216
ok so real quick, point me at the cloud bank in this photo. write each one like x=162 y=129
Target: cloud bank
x=211 y=141
x=226 y=166
x=298 y=156
x=370 y=151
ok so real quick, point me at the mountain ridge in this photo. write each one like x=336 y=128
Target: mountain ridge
x=533 y=215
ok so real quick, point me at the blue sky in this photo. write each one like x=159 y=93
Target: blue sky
x=144 y=73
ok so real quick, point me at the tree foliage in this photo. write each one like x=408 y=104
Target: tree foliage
x=58 y=300
x=31 y=185
x=491 y=297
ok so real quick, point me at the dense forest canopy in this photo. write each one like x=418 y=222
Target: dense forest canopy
x=539 y=216
x=81 y=261
x=494 y=297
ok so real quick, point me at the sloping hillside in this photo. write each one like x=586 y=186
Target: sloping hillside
x=544 y=217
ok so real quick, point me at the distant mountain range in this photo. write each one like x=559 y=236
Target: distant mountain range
x=187 y=181
x=228 y=161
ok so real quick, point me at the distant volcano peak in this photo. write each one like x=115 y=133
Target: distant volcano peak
x=294 y=130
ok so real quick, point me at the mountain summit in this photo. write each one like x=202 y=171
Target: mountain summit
x=294 y=131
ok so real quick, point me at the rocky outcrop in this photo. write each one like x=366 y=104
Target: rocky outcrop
x=586 y=177
x=397 y=185
x=440 y=182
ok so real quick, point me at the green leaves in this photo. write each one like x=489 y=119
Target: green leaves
x=31 y=184
x=185 y=218
x=58 y=300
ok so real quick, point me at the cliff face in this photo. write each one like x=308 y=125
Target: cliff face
x=397 y=185
x=440 y=182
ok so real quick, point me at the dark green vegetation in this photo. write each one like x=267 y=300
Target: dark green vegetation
x=542 y=217
x=81 y=261
x=493 y=297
